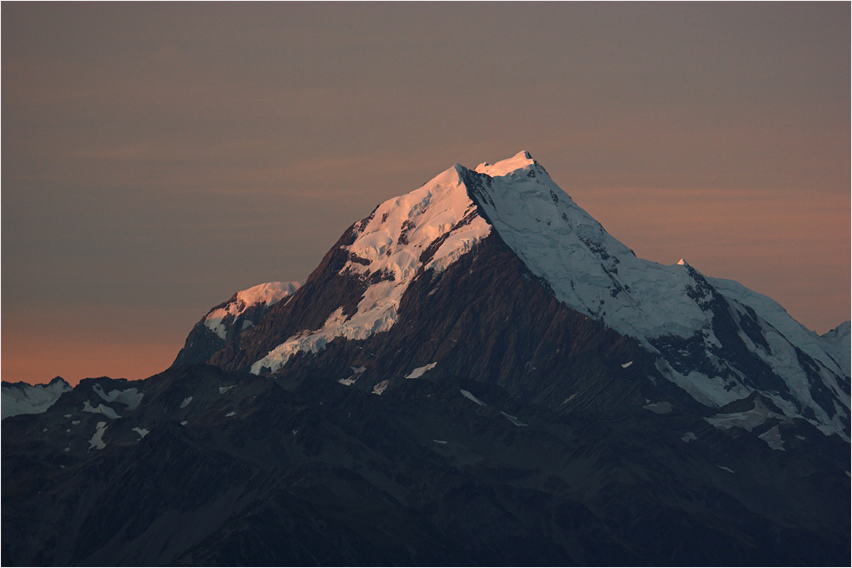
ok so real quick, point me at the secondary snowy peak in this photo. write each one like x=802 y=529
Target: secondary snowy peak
x=266 y=295
x=231 y=318
x=427 y=229
x=23 y=398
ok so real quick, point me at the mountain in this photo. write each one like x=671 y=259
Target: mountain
x=476 y=373
x=714 y=338
x=24 y=398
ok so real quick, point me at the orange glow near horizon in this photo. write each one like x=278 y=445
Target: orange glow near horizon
x=31 y=362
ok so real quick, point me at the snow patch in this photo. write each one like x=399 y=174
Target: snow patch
x=625 y=365
x=97 y=441
x=418 y=372
x=381 y=387
x=100 y=409
x=347 y=382
x=773 y=438
x=141 y=431
x=469 y=396
x=662 y=407
x=748 y=420
x=688 y=437
x=223 y=390
x=186 y=402
x=725 y=468
x=131 y=398
x=513 y=419
x=569 y=399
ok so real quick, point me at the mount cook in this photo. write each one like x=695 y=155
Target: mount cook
x=475 y=373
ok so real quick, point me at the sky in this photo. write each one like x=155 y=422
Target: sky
x=158 y=157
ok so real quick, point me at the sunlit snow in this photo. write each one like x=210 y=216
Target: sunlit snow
x=390 y=244
x=379 y=388
x=269 y=293
x=418 y=372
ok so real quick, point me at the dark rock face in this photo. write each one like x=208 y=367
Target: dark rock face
x=281 y=471
x=458 y=319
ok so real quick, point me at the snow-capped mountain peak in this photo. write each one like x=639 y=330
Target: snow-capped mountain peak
x=718 y=341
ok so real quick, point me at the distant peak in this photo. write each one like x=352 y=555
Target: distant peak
x=683 y=262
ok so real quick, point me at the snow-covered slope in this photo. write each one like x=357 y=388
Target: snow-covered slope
x=23 y=398
x=587 y=268
x=670 y=309
x=427 y=229
x=837 y=343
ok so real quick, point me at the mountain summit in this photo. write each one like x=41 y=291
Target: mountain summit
x=476 y=373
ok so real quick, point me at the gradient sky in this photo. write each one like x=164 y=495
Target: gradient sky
x=156 y=158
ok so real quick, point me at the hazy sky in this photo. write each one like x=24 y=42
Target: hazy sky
x=156 y=158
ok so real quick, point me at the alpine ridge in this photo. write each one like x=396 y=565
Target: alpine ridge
x=476 y=373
